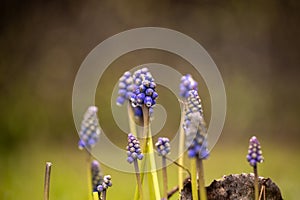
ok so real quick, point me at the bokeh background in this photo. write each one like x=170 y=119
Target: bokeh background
x=255 y=45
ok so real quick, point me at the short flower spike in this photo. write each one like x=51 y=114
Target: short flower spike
x=90 y=130
x=163 y=146
x=134 y=151
x=96 y=175
x=105 y=184
x=254 y=152
x=187 y=83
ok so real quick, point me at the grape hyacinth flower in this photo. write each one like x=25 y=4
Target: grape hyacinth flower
x=96 y=175
x=90 y=131
x=106 y=183
x=134 y=153
x=187 y=83
x=163 y=148
x=196 y=142
x=145 y=94
x=255 y=156
x=126 y=88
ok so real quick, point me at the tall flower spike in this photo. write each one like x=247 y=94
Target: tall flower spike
x=134 y=151
x=254 y=152
x=90 y=131
x=126 y=88
x=163 y=146
x=187 y=83
x=195 y=127
x=96 y=175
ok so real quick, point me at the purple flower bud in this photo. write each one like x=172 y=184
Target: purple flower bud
x=148 y=101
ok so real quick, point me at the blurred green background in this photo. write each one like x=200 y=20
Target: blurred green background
x=42 y=44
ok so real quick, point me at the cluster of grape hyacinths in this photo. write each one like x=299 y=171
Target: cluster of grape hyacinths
x=187 y=83
x=90 y=131
x=129 y=88
x=96 y=175
x=163 y=149
x=254 y=156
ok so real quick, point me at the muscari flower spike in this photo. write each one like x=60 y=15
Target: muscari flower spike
x=126 y=88
x=90 y=131
x=187 y=83
x=106 y=183
x=97 y=178
x=254 y=152
x=163 y=146
x=195 y=127
x=134 y=151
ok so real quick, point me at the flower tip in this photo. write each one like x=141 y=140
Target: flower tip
x=93 y=109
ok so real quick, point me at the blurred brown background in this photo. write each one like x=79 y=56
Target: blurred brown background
x=255 y=44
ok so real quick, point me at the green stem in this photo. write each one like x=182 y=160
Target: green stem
x=194 y=178
x=89 y=175
x=132 y=126
x=104 y=195
x=181 y=150
x=96 y=196
x=47 y=180
x=165 y=177
x=201 y=184
x=138 y=179
x=255 y=182
x=149 y=147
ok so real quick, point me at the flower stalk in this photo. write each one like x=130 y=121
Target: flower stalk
x=163 y=149
x=47 y=180
x=254 y=156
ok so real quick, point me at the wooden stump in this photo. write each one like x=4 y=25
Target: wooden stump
x=235 y=186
